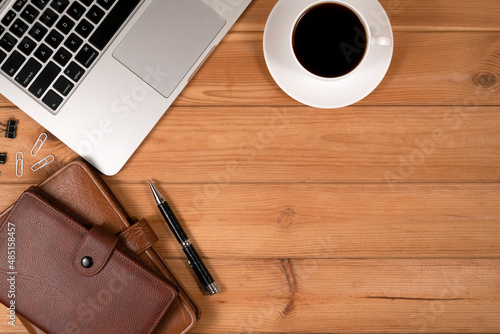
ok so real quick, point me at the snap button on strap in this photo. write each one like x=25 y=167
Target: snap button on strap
x=87 y=262
x=94 y=251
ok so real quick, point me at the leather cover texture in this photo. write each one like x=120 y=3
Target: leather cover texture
x=81 y=188
x=114 y=295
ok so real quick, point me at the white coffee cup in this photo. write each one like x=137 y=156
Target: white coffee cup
x=312 y=87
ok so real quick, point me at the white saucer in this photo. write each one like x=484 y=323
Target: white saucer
x=323 y=92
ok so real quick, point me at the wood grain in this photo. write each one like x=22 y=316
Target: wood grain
x=318 y=220
x=378 y=144
x=447 y=68
x=290 y=144
x=351 y=296
x=422 y=15
x=325 y=295
x=382 y=217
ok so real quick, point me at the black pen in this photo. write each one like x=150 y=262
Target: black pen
x=194 y=260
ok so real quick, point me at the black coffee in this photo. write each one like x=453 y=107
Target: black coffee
x=329 y=40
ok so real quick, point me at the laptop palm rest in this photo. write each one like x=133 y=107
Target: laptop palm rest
x=167 y=40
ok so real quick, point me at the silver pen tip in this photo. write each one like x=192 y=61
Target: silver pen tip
x=156 y=193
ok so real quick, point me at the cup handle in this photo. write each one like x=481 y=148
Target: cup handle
x=381 y=41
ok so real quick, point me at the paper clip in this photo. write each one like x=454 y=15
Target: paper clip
x=39 y=143
x=10 y=129
x=19 y=163
x=42 y=163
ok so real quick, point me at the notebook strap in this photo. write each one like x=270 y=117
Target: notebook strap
x=138 y=237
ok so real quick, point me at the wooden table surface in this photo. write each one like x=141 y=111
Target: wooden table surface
x=379 y=217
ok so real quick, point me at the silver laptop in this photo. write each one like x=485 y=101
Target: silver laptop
x=99 y=74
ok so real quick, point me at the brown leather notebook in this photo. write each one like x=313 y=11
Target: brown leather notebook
x=50 y=256
x=80 y=187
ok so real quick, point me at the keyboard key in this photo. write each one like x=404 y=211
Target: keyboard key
x=49 y=17
x=18 y=28
x=74 y=71
x=44 y=80
x=63 y=86
x=38 y=31
x=28 y=73
x=54 y=39
x=86 y=56
x=19 y=4
x=41 y=3
x=8 y=42
x=65 y=24
x=13 y=63
x=106 y=4
x=110 y=25
x=3 y=55
x=87 y=2
x=27 y=46
x=73 y=42
x=8 y=18
x=62 y=57
x=76 y=11
x=59 y=5
x=84 y=28
x=43 y=53
x=52 y=100
x=2 y=29
x=95 y=14
x=30 y=13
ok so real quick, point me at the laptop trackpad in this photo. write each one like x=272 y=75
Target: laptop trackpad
x=167 y=40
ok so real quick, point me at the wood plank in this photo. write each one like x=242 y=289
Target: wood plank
x=357 y=144
x=5 y=328
x=324 y=295
x=425 y=64
x=318 y=220
x=378 y=144
x=354 y=296
x=422 y=15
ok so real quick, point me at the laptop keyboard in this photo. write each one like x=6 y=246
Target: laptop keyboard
x=47 y=46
